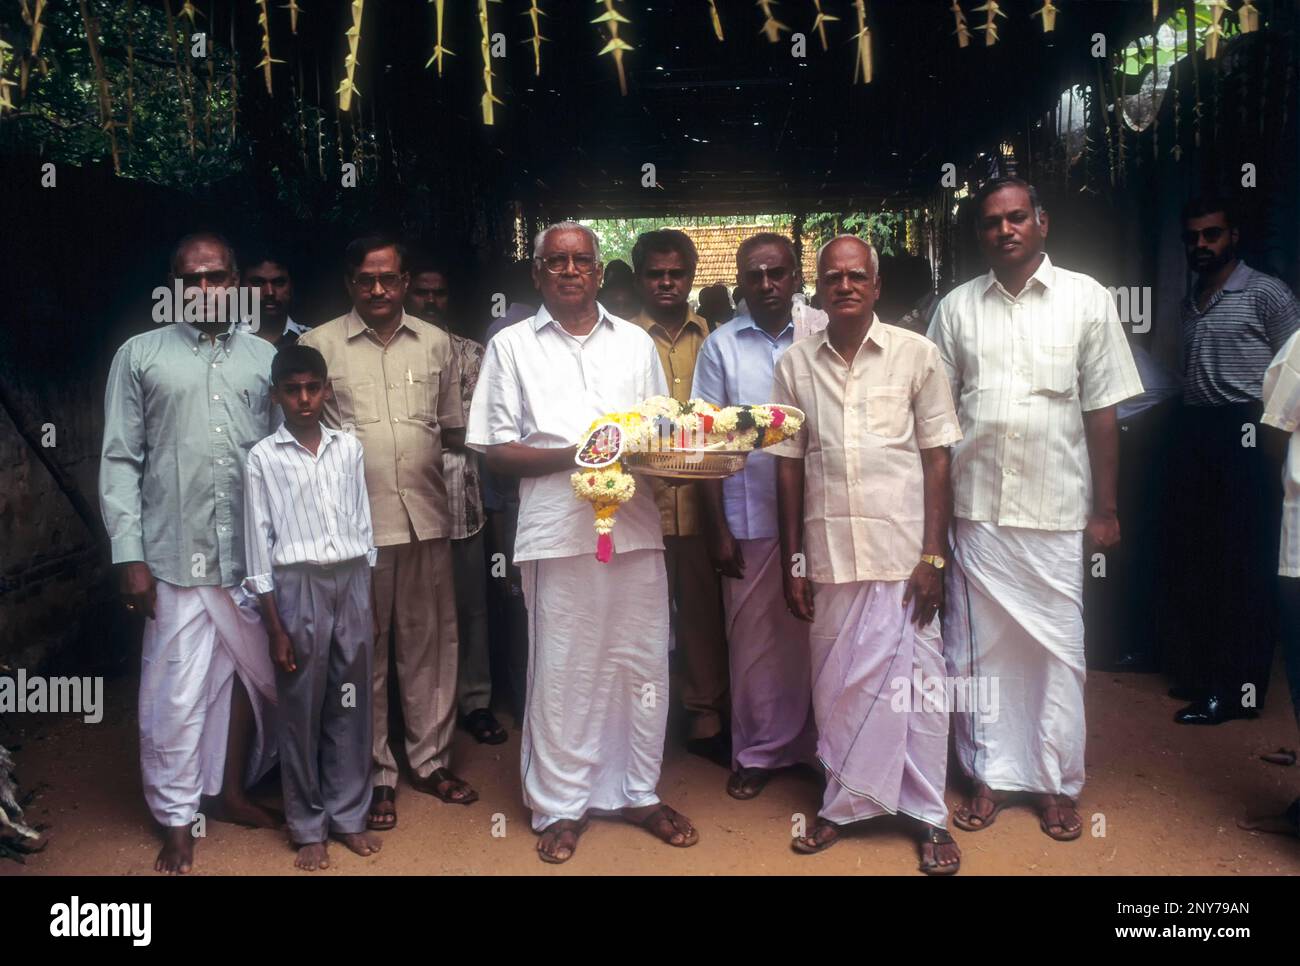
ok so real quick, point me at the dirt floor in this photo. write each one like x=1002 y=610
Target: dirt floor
x=1165 y=796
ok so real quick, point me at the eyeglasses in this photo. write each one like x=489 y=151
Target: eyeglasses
x=387 y=281
x=1211 y=234
x=582 y=264
x=857 y=276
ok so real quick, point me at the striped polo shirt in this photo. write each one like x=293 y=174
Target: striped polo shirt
x=1228 y=347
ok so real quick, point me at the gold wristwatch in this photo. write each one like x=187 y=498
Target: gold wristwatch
x=934 y=560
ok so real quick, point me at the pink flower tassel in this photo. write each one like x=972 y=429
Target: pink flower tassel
x=604 y=548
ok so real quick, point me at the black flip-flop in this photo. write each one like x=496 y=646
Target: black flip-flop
x=485 y=728
x=382 y=793
x=936 y=836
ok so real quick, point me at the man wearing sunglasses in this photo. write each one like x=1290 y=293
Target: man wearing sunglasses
x=1224 y=520
x=395 y=384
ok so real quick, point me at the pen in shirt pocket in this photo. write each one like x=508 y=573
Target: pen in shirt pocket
x=248 y=400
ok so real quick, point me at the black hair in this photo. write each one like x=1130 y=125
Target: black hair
x=294 y=359
x=766 y=238
x=990 y=188
x=260 y=252
x=1210 y=204
x=359 y=248
x=662 y=242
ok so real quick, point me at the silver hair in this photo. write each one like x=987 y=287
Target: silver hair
x=875 y=257
x=540 y=238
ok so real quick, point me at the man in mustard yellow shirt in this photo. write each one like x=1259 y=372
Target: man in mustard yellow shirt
x=664 y=262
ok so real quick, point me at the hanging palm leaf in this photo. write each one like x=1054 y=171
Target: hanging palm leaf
x=862 y=68
x=294 y=10
x=534 y=13
x=1214 y=31
x=188 y=10
x=438 y=48
x=990 y=26
x=617 y=45
x=716 y=20
x=1248 y=17
x=489 y=100
x=347 y=86
x=6 y=103
x=1048 y=12
x=38 y=27
x=819 y=23
x=963 y=32
x=771 y=26
x=101 y=78
x=264 y=21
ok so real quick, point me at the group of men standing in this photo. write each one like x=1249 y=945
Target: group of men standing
x=929 y=525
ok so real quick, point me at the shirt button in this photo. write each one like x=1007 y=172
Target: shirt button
x=214 y=365
x=394 y=419
x=392 y=385
x=678 y=379
x=401 y=492
x=220 y=494
x=216 y=395
x=218 y=429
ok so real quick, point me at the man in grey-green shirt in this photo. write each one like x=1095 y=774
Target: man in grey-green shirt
x=184 y=404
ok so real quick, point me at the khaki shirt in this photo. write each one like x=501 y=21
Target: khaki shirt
x=396 y=399
x=679 y=506
x=866 y=424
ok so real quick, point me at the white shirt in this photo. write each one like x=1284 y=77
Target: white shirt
x=1282 y=409
x=1024 y=370
x=542 y=387
x=300 y=508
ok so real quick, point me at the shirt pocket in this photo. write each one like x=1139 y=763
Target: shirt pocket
x=889 y=411
x=358 y=400
x=1055 y=370
x=422 y=396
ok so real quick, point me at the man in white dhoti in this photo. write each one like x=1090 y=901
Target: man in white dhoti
x=184 y=403
x=1037 y=360
x=864 y=501
x=597 y=695
x=771 y=707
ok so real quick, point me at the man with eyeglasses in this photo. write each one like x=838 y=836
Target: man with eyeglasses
x=1224 y=511
x=1037 y=360
x=395 y=385
x=184 y=404
x=597 y=703
x=664 y=262
x=771 y=692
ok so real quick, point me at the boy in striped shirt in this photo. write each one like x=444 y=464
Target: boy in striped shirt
x=310 y=548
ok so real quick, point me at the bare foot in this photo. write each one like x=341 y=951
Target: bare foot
x=362 y=843
x=312 y=856
x=177 y=855
x=241 y=810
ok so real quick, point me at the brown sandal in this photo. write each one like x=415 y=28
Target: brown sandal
x=810 y=844
x=444 y=776
x=966 y=819
x=667 y=813
x=1064 y=807
x=380 y=795
x=558 y=829
x=934 y=837
x=747 y=783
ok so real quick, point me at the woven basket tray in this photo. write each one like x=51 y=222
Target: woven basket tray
x=687 y=464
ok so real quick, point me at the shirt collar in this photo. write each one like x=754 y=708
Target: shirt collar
x=746 y=321
x=649 y=324
x=1044 y=274
x=355 y=326
x=194 y=337
x=282 y=435
x=1239 y=277
x=543 y=318
x=878 y=334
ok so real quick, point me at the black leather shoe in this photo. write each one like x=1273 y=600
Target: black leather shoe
x=1212 y=711
x=716 y=749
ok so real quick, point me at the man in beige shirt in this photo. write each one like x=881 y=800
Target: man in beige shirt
x=395 y=385
x=1037 y=360
x=863 y=507
x=664 y=262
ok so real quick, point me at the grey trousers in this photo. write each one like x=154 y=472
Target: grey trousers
x=469 y=570
x=325 y=727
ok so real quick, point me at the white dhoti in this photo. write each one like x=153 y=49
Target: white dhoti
x=1014 y=619
x=771 y=700
x=597 y=699
x=881 y=739
x=192 y=651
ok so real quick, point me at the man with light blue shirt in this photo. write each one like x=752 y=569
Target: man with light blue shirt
x=771 y=692
x=184 y=404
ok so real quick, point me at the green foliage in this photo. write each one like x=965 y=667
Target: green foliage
x=59 y=119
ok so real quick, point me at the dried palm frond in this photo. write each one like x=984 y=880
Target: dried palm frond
x=294 y=10
x=616 y=44
x=101 y=78
x=771 y=26
x=990 y=26
x=438 y=48
x=862 y=68
x=963 y=32
x=715 y=19
x=347 y=87
x=264 y=21
x=6 y=104
x=1248 y=17
x=1048 y=12
x=1214 y=31
x=534 y=13
x=489 y=100
x=820 y=21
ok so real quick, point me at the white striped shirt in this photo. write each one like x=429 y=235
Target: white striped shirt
x=1024 y=370
x=1282 y=409
x=300 y=508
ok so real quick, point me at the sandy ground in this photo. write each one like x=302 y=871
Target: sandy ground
x=1167 y=795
